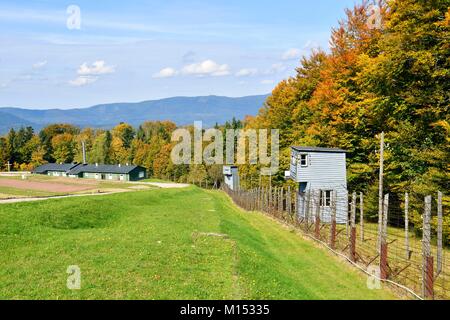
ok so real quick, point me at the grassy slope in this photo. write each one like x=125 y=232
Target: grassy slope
x=149 y=245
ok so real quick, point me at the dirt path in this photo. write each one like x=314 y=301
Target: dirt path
x=166 y=185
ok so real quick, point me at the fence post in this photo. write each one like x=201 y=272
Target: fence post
x=307 y=205
x=439 y=234
x=383 y=240
x=296 y=206
x=380 y=193
x=333 y=222
x=270 y=200
x=282 y=200
x=353 y=229
x=361 y=215
x=289 y=201
x=317 y=216
x=273 y=194
x=427 y=258
x=407 y=225
x=256 y=199
x=264 y=199
x=259 y=198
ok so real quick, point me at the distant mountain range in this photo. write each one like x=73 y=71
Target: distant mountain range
x=181 y=110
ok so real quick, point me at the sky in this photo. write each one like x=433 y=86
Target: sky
x=67 y=54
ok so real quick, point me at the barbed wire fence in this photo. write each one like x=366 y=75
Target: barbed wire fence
x=403 y=242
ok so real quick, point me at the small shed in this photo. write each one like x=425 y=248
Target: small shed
x=231 y=177
x=321 y=175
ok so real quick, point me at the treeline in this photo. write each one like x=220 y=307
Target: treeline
x=149 y=146
x=395 y=79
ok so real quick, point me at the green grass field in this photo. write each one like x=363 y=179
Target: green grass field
x=156 y=244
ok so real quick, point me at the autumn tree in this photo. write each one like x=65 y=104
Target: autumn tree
x=48 y=133
x=63 y=146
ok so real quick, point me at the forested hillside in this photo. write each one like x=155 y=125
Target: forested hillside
x=393 y=79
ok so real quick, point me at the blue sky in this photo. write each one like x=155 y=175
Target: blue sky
x=127 y=51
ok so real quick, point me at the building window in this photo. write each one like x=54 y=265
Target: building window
x=141 y=174
x=325 y=198
x=303 y=186
x=303 y=160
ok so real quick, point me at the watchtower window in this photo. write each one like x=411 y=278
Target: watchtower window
x=303 y=160
x=325 y=198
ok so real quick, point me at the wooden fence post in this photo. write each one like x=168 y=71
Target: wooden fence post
x=260 y=201
x=380 y=193
x=282 y=200
x=439 y=234
x=407 y=225
x=353 y=229
x=361 y=215
x=307 y=207
x=427 y=258
x=270 y=200
x=333 y=222
x=289 y=201
x=296 y=205
x=383 y=240
x=273 y=194
x=385 y=215
x=317 y=215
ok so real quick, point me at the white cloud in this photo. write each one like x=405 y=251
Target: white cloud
x=267 y=81
x=83 y=80
x=39 y=64
x=246 y=72
x=88 y=74
x=292 y=54
x=206 y=68
x=166 y=73
x=97 y=68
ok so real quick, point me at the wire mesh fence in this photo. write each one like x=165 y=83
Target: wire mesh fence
x=406 y=241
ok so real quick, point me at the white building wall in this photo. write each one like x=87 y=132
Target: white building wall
x=325 y=171
x=312 y=196
x=322 y=166
x=231 y=177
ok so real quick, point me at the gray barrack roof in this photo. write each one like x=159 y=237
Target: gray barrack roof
x=62 y=167
x=318 y=149
x=102 y=168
